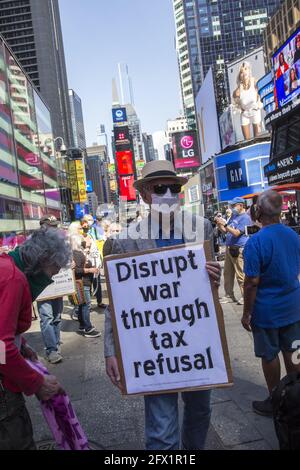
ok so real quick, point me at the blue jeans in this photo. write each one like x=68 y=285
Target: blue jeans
x=162 y=431
x=50 y=319
x=84 y=311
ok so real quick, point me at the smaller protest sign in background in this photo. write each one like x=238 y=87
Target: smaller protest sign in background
x=168 y=323
x=63 y=285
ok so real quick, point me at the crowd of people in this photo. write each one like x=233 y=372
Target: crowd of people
x=266 y=266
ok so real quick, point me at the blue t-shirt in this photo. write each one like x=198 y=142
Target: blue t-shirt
x=273 y=255
x=238 y=222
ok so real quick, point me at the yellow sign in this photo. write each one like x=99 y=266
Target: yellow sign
x=72 y=178
x=76 y=178
x=81 y=180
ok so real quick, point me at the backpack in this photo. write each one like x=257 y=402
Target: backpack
x=286 y=411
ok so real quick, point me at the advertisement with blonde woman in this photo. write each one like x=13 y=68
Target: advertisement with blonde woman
x=246 y=99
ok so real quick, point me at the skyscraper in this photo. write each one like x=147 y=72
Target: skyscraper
x=125 y=84
x=148 y=147
x=210 y=33
x=32 y=29
x=97 y=172
x=77 y=120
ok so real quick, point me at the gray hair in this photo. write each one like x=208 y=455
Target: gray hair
x=45 y=247
x=76 y=242
x=269 y=203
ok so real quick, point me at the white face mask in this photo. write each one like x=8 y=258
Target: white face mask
x=166 y=203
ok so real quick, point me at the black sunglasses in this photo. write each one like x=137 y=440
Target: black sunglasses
x=161 y=189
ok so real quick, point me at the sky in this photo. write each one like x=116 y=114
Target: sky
x=98 y=34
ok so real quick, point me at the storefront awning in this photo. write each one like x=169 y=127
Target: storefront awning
x=280 y=188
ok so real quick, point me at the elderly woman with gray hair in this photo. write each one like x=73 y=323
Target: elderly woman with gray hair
x=24 y=274
x=272 y=293
x=84 y=273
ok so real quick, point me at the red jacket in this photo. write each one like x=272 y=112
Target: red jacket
x=15 y=319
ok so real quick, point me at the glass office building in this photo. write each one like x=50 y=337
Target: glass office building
x=211 y=33
x=28 y=177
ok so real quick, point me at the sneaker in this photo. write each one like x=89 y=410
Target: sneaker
x=226 y=300
x=263 y=408
x=54 y=357
x=92 y=333
x=102 y=306
x=241 y=301
x=81 y=329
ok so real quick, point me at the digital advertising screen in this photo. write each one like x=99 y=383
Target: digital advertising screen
x=121 y=135
x=286 y=68
x=127 y=191
x=185 y=149
x=207 y=118
x=125 y=162
x=119 y=115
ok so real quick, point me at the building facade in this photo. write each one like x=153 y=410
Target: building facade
x=32 y=29
x=79 y=139
x=210 y=33
x=97 y=171
x=148 y=147
x=28 y=172
x=282 y=24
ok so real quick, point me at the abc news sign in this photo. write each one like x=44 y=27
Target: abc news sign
x=185 y=149
x=283 y=170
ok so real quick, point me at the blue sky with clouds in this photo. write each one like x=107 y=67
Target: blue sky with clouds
x=100 y=33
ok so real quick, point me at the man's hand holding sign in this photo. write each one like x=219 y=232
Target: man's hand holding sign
x=168 y=334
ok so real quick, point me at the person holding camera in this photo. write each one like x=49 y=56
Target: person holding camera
x=236 y=239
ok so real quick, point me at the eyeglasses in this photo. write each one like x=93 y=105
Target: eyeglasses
x=161 y=189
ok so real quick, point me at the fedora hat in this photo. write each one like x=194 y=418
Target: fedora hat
x=158 y=169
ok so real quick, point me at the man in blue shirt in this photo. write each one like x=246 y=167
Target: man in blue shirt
x=272 y=293
x=165 y=226
x=235 y=242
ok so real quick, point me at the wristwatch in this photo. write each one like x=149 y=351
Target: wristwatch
x=225 y=225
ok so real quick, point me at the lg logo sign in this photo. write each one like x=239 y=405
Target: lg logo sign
x=187 y=142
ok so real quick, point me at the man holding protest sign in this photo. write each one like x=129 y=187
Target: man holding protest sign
x=166 y=227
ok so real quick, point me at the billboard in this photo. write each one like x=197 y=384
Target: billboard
x=207 y=119
x=119 y=115
x=227 y=128
x=283 y=170
x=243 y=75
x=265 y=88
x=125 y=162
x=185 y=149
x=121 y=135
x=76 y=179
x=286 y=69
x=127 y=191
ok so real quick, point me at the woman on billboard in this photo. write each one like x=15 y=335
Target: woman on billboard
x=297 y=49
x=246 y=99
x=283 y=66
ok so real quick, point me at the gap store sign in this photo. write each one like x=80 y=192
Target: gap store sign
x=241 y=171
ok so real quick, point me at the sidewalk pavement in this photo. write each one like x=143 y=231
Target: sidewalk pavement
x=117 y=423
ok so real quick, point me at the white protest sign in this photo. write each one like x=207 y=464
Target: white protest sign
x=168 y=333
x=63 y=285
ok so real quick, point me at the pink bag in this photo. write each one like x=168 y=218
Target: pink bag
x=61 y=418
